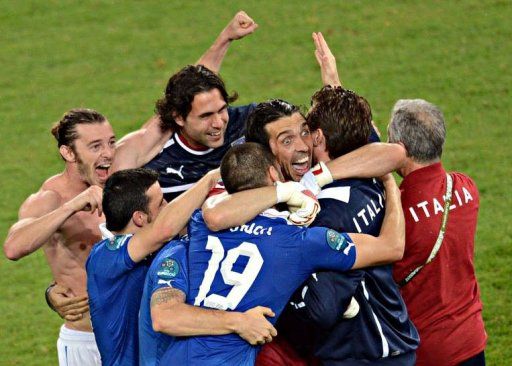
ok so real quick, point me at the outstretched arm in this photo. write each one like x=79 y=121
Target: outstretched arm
x=171 y=315
x=138 y=147
x=228 y=210
x=372 y=160
x=326 y=60
x=172 y=219
x=41 y=216
x=240 y=26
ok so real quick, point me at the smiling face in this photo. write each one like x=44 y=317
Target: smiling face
x=291 y=143
x=207 y=121
x=94 y=151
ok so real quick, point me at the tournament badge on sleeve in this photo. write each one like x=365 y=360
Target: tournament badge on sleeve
x=335 y=240
x=169 y=269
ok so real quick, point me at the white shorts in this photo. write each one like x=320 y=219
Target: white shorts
x=77 y=348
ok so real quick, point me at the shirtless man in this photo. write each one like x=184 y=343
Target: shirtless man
x=63 y=218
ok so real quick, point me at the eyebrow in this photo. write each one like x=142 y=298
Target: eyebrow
x=210 y=113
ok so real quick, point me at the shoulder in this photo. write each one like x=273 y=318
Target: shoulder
x=42 y=202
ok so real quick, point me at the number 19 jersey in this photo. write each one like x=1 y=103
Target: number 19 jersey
x=259 y=263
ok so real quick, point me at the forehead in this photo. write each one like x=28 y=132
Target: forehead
x=155 y=192
x=94 y=131
x=285 y=125
x=211 y=99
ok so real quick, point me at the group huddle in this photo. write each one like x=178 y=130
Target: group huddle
x=258 y=234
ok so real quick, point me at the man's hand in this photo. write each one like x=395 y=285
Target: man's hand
x=255 y=328
x=67 y=305
x=302 y=203
x=88 y=200
x=316 y=178
x=326 y=60
x=240 y=26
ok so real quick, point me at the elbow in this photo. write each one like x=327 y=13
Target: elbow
x=161 y=326
x=398 y=156
x=11 y=253
x=213 y=220
x=399 y=250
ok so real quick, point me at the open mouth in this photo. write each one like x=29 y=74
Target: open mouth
x=214 y=134
x=301 y=166
x=102 y=171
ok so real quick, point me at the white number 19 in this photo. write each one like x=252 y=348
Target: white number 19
x=241 y=282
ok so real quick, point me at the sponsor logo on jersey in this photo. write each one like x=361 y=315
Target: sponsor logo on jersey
x=178 y=172
x=169 y=268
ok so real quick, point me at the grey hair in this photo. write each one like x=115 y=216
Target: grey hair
x=419 y=125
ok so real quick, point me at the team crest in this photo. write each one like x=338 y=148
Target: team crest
x=168 y=269
x=116 y=242
x=335 y=240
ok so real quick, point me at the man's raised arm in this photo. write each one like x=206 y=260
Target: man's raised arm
x=240 y=26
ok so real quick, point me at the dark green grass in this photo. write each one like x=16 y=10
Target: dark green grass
x=116 y=56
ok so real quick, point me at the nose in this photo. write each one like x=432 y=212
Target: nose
x=218 y=121
x=108 y=151
x=301 y=144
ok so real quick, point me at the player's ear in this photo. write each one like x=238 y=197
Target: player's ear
x=178 y=119
x=274 y=174
x=318 y=137
x=67 y=153
x=139 y=218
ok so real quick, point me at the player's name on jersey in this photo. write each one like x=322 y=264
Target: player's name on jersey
x=253 y=229
x=426 y=209
x=368 y=213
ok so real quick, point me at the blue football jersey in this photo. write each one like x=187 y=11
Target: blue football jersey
x=382 y=329
x=260 y=263
x=114 y=285
x=180 y=166
x=169 y=269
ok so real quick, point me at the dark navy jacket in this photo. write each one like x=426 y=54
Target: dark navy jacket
x=382 y=328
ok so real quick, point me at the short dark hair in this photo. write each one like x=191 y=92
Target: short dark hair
x=181 y=90
x=245 y=166
x=64 y=130
x=265 y=113
x=125 y=193
x=344 y=117
x=419 y=125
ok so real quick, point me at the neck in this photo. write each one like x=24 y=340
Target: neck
x=74 y=178
x=191 y=143
x=411 y=165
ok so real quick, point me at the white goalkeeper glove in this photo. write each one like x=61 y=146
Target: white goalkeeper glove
x=302 y=203
x=316 y=178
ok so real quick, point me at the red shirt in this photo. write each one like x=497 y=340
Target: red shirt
x=443 y=300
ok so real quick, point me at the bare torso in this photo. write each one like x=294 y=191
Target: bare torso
x=68 y=249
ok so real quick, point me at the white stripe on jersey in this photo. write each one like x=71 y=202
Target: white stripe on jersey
x=177 y=188
x=188 y=149
x=169 y=142
x=385 y=344
x=336 y=193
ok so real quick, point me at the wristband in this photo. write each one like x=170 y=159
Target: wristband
x=47 y=295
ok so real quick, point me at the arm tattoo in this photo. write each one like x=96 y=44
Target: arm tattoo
x=167 y=294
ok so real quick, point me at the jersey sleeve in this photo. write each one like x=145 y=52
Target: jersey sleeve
x=374 y=136
x=326 y=249
x=170 y=270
